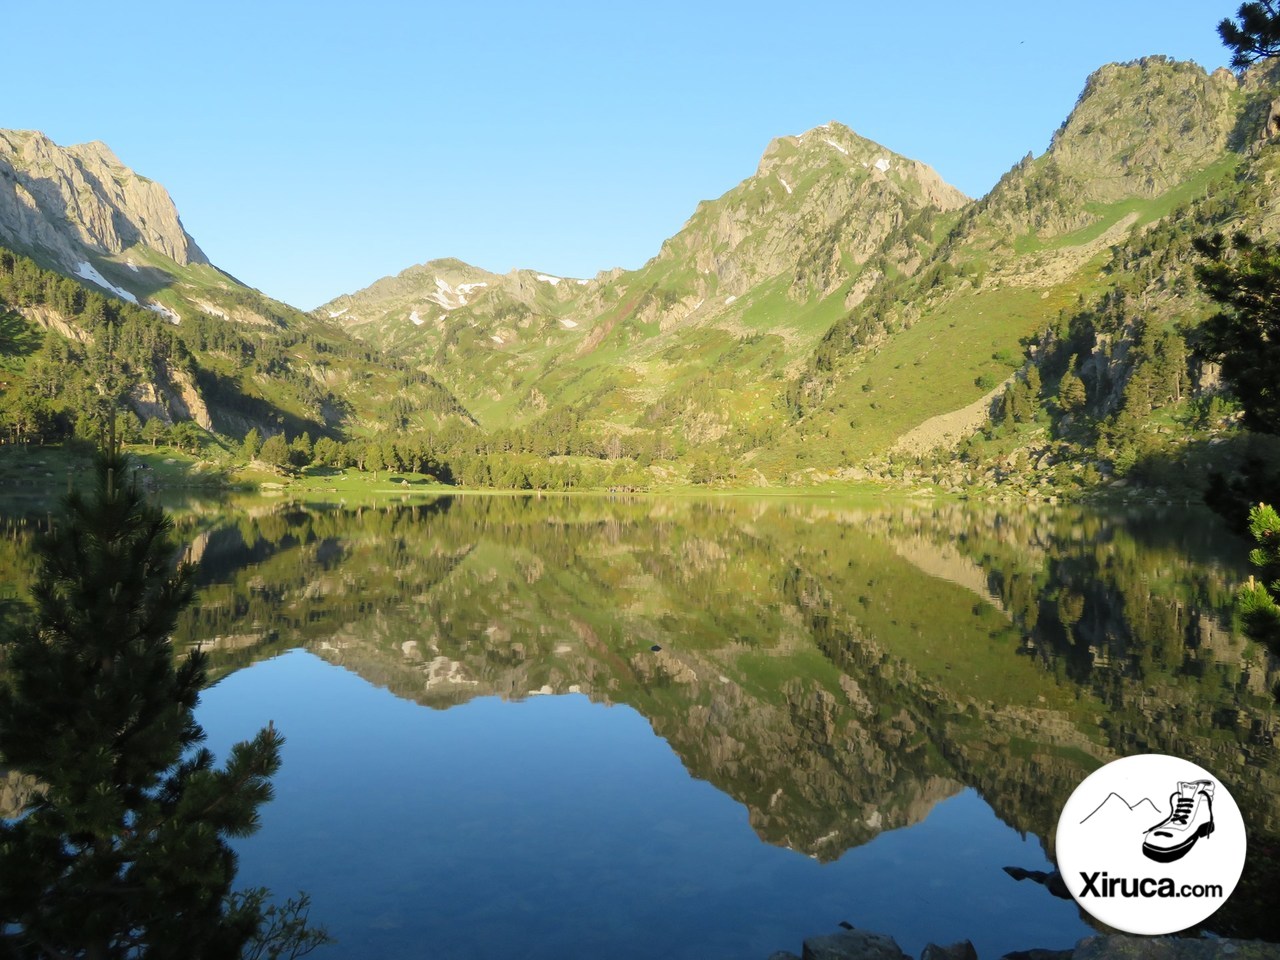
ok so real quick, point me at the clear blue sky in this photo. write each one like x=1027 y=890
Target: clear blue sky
x=314 y=147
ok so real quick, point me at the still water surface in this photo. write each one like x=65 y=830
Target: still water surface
x=856 y=713
x=556 y=827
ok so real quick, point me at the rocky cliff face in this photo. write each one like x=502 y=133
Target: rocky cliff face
x=1137 y=131
x=820 y=206
x=68 y=203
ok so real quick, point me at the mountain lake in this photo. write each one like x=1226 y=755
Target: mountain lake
x=647 y=727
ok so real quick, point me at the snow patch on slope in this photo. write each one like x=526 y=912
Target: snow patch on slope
x=85 y=269
x=837 y=146
x=170 y=315
x=417 y=320
x=451 y=297
x=882 y=164
x=549 y=279
x=569 y=324
x=786 y=186
x=729 y=300
x=335 y=314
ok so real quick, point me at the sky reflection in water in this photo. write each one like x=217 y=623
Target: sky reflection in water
x=557 y=827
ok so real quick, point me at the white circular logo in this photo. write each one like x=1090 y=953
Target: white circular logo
x=1150 y=844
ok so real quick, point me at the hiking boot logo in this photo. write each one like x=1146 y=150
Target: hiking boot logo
x=1190 y=818
x=1125 y=856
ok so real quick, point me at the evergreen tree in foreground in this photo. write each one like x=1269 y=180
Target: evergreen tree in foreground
x=1260 y=601
x=124 y=852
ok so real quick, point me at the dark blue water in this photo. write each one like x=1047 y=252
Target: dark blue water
x=556 y=827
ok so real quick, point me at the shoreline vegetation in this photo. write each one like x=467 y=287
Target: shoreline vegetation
x=42 y=474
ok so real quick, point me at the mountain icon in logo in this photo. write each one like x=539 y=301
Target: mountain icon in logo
x=1116 y=810
x=1189 y=817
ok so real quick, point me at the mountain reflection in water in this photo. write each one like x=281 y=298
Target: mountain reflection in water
x=837 y=670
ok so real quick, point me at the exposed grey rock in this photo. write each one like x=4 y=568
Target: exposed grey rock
x=853 y=945
x=71 y=200
x=1052 y=881
x=963 y=950
x=1120 y=947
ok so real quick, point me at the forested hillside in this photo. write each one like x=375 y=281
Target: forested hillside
x=841 y=314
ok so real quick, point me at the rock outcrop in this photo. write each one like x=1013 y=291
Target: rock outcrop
x=69 y=202
x=854 y=944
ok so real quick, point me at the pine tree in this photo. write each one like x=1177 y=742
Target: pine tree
x=251 y=444
x=1071 y=391
x=154 y=430
x=1244 y=279
x=124 y=852
x=1034 y=384
x=275 y=450
x=1255 y=34
x=1260 y=601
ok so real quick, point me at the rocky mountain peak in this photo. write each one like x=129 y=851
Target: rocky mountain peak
x=67 y=204
x=1140 y=127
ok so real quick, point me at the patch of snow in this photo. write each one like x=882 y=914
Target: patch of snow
x=496 y=339
x=334 y=315
x=451 y=297
x=170 y=315
x=131 y=265
x=882 y=164
x=551 y=280
x=569 y=324
x=698 y=304
x=85 y=269
x=543 y=691
x=417 y=320
x=784 y=183
x=729 y=300
x=837 y=146
x=582 y=283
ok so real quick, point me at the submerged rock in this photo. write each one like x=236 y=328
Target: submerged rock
x=1119 y=947
x=853 y=945
x=964 y=950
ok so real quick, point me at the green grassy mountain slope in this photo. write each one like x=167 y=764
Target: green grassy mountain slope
x=1147 y=143
x=844 y=303
x=699 y=337
x=94 y=258
x=839 y=311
